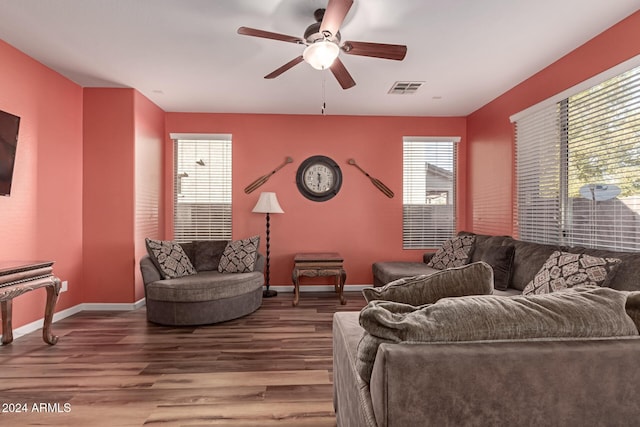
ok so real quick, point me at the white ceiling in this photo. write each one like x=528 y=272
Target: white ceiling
x=186 y=56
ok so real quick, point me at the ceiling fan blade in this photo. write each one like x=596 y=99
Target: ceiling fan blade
x=334 y=15
x=284 y=68
x=341 y=74
x=376 y=50
x=246 y=31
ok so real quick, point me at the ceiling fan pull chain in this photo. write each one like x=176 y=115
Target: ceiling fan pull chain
x=324 y=102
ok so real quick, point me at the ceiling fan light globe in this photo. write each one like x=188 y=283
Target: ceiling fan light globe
x=321 y=54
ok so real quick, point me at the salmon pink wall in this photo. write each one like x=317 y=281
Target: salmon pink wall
x=123 y=142
x=108 y=197
x=42 y=219
x=149 y=216
x=490 y=133
x=360 y=222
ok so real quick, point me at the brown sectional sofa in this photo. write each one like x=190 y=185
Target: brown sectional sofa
x=528 y=258
x=543 y=381
x=203 y=298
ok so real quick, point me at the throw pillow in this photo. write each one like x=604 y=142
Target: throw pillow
x=239 y=256
x=565 y=270
x=470 y=279
x=453 y=253
x=500 y=258
x=573 y=313
x=169 y=258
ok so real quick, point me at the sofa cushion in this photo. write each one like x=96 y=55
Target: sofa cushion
x=484 y=243
x=239 y=256
x=470 y=279
x=207 y=254
x=204 y=286
x=577 y=313
x=527 y=260
x=565 y=270
x=169 y=258
x=633 y=307
x=500 y=258
x=453 y=253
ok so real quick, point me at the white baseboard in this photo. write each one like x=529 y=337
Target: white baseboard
x=37 y=324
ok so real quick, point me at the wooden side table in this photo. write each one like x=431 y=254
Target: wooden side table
x=18 y=277
x=319 y=265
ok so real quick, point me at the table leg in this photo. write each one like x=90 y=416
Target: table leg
x=52 y=297
x=341 y=280
x=296 y=287
x=7 y=328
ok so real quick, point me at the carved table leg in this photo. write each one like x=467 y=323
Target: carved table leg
x=296 y=287
x=52 y=297
x=341 y=280
x=7 y=328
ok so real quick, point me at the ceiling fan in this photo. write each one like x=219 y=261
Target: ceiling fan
x=322 y=41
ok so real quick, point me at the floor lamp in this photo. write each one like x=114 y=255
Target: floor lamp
x=268 y=204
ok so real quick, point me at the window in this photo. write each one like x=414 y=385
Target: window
x=429 y=184
x=202 y=187
x=578 y=168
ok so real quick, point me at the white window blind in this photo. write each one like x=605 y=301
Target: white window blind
x=578 y=168
x=429 y=191
x=202 y=188
x=603 y=172
x=538 y=174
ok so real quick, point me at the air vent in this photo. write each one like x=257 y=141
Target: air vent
x=405 y=88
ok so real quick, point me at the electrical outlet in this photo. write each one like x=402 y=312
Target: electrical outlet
x=65 y=286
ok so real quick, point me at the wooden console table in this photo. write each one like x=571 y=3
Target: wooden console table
x=18 y=277
x=319 y=265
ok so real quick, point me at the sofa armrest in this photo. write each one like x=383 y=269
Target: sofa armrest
x=523 y=382
x=149 y=271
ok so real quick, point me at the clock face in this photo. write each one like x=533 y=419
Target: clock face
x=319 y=178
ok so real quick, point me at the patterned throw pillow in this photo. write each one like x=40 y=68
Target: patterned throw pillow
x=239 y=256
x=169 y=258
x=453 y=253
x=564 y=270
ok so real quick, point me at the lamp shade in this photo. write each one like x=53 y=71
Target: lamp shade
x=321 y=54
x=267 y=203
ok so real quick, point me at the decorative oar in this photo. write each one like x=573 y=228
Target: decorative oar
x=386 y=190
x=258 y=182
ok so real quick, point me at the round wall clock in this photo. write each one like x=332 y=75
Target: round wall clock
x=319 y=178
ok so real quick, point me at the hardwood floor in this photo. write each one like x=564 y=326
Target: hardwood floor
x=273 y=367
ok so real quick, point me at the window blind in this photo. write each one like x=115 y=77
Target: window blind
x=578 y=168
x=202 y=188
x=538 y=173
x=429 y=192
x=603 y=169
